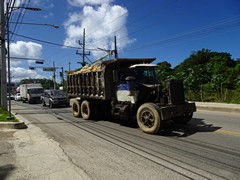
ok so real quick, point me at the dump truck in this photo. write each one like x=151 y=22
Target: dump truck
x=128 y=88
x=31 y=93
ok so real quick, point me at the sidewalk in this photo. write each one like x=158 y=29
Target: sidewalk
x=222 y=107
x=31 y=154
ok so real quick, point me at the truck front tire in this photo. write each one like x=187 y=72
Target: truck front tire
x=148 y=118
x=76 y=109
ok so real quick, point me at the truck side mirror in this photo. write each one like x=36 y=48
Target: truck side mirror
x=115 y=76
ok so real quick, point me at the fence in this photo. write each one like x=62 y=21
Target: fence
x=223 y=95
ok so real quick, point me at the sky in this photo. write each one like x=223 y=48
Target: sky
x=169 y=30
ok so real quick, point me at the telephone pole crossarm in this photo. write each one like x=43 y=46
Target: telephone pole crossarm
x=83 y=54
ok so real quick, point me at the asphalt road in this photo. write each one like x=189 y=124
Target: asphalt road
x=207 y=148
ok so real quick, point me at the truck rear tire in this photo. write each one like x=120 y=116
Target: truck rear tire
x=148 y=118
x=76 y=109
x=183 y=119
x=87 y=110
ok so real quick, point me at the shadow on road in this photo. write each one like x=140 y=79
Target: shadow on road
x=169 y=128
x=5 y=170
x=183 y=130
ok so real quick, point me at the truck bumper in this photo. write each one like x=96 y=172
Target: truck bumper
x=173 y=111
x=35 y=99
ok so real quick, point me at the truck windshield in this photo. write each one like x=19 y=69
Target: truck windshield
x=35 y=91
x=145 y=74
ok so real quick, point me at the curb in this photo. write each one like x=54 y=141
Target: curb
x=14 y=125
x=230 y=108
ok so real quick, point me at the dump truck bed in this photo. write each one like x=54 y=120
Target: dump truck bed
x=96 y=81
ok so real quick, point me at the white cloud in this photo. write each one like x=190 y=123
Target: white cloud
x=88 y=2
x=19 y=73
x=102 y=22
x=23 y=49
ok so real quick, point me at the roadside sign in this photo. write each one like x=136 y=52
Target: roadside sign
x=48 y=69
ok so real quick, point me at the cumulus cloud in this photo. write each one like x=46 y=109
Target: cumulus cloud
x=23 y=50
x=88 y=2
x=20 y=73
x=101 y=21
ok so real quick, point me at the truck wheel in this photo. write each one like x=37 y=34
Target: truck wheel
x=183 y=119
x=76 y=110
x=87 y=110
x=148 y=118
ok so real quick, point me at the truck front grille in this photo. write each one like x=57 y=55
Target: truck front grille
x=176 y=92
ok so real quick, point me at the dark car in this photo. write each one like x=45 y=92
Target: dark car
x=53 y=98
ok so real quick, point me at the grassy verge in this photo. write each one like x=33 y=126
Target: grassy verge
x=4 y=116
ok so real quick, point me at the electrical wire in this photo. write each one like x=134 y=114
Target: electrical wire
x=219 y=26
x=52 y=43
x=134 y=7
x=137 y=20
x=19 y=19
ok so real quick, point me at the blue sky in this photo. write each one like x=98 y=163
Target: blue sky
x=169 y=30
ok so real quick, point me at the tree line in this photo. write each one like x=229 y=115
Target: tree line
x=207 y=76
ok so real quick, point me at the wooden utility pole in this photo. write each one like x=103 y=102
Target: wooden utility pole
x=115 y=47
x=3 y=58
x=54 y=76
x=83 y=54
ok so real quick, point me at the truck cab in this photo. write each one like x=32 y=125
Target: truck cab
x=134 y=82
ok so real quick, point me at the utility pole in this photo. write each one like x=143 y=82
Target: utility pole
x=54 y=76
x=83 y=54
x=3 y=58
x=62 y=77
x=115 y=47
x=69 y=66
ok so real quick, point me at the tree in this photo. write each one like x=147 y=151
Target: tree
x=46 y=83
x=164 y=70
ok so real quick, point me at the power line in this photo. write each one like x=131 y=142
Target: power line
x=52 y=43
x=19 y=18
x=219 y=26
x=137 y=20
x=133 y=7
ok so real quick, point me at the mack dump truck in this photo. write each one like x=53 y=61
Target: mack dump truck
x=127 y=88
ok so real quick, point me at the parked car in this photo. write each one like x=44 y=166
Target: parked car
x=11 y=96
x=53 y=98
x=17 y=97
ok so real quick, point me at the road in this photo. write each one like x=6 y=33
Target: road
x=207 y=148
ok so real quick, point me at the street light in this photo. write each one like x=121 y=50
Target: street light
x=37 y=61
x=40 y=24
x=27 y=8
